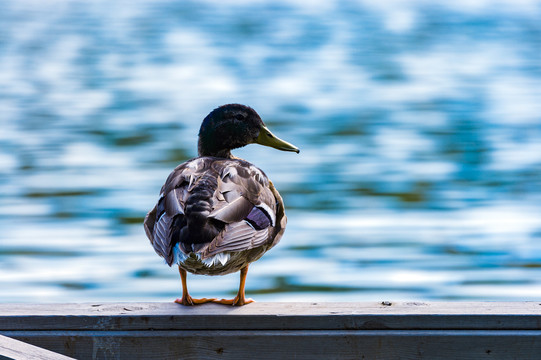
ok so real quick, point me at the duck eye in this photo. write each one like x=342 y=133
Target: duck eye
x=239 y=117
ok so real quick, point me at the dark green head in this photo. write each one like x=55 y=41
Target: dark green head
x=232 y=126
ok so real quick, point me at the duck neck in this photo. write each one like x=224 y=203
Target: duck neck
x=208 y=151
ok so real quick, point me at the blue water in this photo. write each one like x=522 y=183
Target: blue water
x=419 y=125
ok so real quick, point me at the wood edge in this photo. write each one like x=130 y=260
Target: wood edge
x=14 y=349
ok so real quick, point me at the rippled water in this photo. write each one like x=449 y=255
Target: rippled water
x=419 y=125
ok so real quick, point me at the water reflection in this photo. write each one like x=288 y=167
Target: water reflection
x=419 y=125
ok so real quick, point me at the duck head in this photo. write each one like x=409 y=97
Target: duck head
x=232 y=126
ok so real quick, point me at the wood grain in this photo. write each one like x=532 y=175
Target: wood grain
x=11 y=349
x=273 y=316
x=378 y=330
x=303 y=344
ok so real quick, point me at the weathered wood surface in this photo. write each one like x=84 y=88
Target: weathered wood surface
x=274 y=316
x=11 y=349
x=414 y=330
x=300 y=344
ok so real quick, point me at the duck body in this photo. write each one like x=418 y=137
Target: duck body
x=216 y=213
x=215 y=216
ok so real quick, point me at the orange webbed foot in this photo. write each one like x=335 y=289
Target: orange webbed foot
x=189 y=301
x=237 y=301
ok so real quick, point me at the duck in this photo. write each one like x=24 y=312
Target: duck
x=217 y=213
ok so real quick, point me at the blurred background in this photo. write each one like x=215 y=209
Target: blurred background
x=419 y=124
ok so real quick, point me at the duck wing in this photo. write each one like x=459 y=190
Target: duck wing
x=211 y=205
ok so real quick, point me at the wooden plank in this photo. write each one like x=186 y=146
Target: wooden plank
x=377 y=330
x=11 y=349
x=274 y=316
x=299 y=344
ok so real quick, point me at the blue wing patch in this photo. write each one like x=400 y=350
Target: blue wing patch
x=258 y=219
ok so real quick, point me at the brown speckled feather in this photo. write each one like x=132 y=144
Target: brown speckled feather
x=206 y=206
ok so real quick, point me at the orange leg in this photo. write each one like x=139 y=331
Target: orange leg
x=240 y=299
x=186 y=298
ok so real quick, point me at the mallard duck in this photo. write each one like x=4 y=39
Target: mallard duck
x=216 y=213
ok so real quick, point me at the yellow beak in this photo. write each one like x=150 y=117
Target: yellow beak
x=269 y=139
